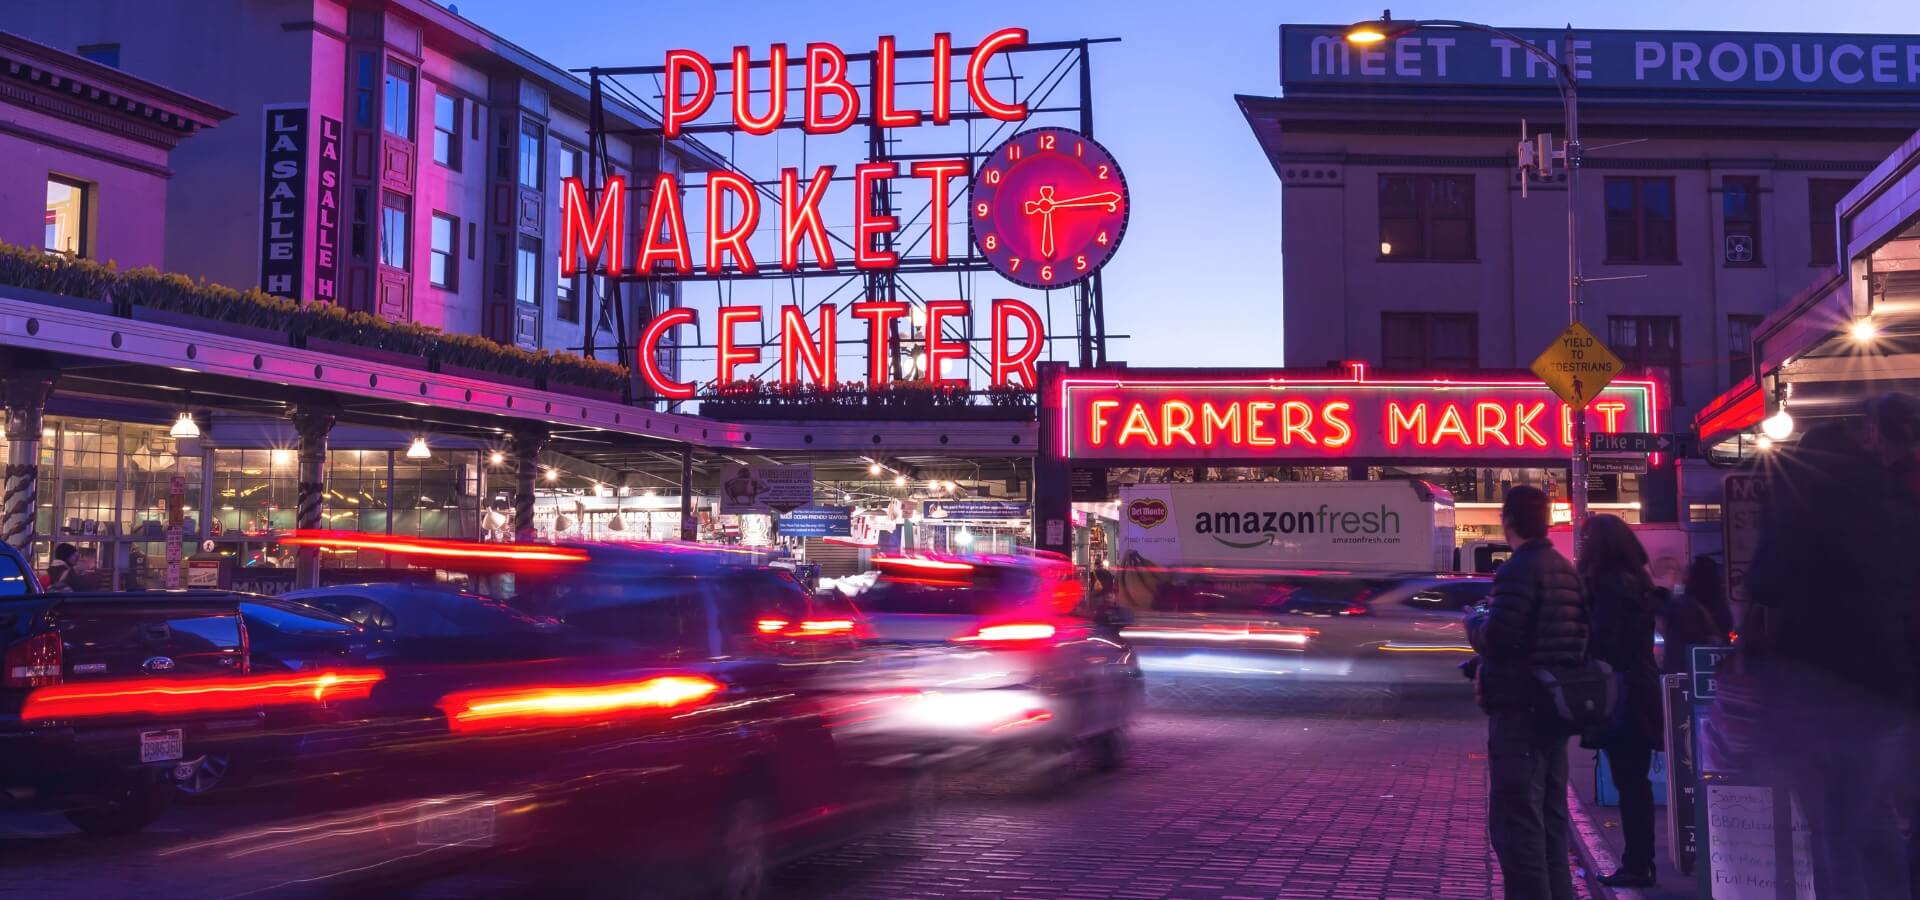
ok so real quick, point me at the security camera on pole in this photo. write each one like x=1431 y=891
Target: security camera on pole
x=1537 y=158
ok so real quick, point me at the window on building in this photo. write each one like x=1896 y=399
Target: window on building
x=104 y=54
x=531 y=156
x=1640 y=220
x=1651 y=345
x=67 y=217
x=1823 y=223
x=1426 y=217
x=527 y=285
x=566 y=303
x=397 y=109
x=446 y=129
x=1435 y=341
x=1740 y=217
x=1740 y=331
x=363 y=90
x=361 y=221
x=394 y=213
x=443 y=266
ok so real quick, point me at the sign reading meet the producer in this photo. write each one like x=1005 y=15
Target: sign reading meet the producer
x=1252 y=416
x=1663 y=60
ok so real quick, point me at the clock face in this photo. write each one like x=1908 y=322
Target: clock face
x=1048 y=207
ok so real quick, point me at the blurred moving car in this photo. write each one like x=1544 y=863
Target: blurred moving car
x=108 y=699
x=284 y=636
x=1250 y=629
x=682 y=735
x=1455 y=593
x=969 y=657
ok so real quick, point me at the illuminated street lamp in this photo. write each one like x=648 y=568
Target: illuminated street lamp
x=1386 y=28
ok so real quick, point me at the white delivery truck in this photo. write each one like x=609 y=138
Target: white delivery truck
x=1358 y=527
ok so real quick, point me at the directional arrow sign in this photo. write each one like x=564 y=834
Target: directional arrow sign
x=1576 y=366
x=1635 y=442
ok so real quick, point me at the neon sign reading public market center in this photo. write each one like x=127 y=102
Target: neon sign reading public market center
x=1047 y=210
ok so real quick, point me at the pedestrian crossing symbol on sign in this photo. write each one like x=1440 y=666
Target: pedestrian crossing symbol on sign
x=1577 y=366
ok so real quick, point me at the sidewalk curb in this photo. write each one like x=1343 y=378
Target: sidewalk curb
x=1595 y=857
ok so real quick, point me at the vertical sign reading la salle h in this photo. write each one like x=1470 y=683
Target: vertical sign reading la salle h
x=326 y=231
x=283 y=205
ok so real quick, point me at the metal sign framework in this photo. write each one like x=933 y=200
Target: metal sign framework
x=1036 y=73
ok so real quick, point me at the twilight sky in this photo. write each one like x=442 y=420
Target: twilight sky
x=1197 y=280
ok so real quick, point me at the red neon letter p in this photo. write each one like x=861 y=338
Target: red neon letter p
x=678 y=112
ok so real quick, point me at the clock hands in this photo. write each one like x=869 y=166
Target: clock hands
x=1110 y=200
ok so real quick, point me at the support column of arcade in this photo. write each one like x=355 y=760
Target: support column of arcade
x=1052 y=475
x=312 y=423
x=26 y=393
x=527 y=444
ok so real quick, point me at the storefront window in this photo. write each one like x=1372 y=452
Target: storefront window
x=255 y=492
x=437 y=497
x=105 y=488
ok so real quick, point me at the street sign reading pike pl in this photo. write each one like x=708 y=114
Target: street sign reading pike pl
x=1636 y=442
x=1576 y=366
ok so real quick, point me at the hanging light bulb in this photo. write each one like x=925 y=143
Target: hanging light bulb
x=496 y=457
x=185 y=426
x=553 y=474
x=899 y=481
x=419 y=450
x=873 y=468
x=1778 y=426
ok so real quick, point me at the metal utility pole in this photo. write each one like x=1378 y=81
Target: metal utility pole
x=1385 y=28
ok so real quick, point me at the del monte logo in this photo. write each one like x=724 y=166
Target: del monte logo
x=1147 y=512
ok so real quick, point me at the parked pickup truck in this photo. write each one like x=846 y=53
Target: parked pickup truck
x=91 y=720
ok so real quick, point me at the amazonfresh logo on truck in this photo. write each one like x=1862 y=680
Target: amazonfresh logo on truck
x=1256 y=528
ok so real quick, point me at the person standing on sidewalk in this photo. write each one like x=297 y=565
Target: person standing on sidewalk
x=1698 y=616
x=1831 y=637
x=1536 y=617
x=1623 y=601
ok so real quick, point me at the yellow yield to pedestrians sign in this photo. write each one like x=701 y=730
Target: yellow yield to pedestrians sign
x=1576 y=366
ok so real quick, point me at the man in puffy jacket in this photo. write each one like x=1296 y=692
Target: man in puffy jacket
x=1536 y=617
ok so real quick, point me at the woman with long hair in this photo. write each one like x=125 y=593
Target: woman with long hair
x=1624 y=602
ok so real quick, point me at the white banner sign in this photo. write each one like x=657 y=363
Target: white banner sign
x=764 y=489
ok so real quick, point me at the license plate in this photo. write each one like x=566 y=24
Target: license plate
x=162 y=746
x=456 y=824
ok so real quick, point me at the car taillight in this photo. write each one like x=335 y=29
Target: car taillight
x=805 y=628
x=564 y=705
x=185 y=696
x=1354 y=609
x=35 y=662
x=1011 y=632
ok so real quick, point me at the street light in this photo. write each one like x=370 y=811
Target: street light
x=1380 y=30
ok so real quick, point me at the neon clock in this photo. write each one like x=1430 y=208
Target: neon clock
x=1048 y=208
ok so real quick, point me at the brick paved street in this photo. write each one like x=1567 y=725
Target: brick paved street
x=1354 y=799
x=1214 y=804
